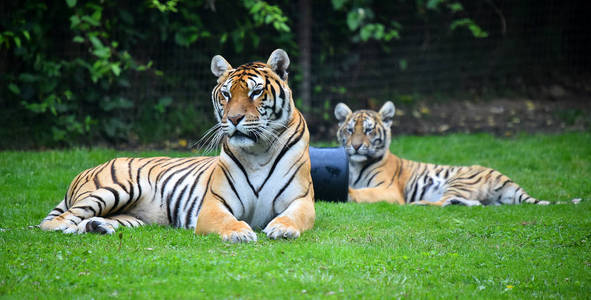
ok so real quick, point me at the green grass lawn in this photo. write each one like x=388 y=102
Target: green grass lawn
x=369 y=251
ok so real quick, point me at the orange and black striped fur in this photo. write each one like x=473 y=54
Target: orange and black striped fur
x=260 y=180
x=375 y=174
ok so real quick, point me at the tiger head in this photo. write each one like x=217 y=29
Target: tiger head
x=365 y=134
x=252 y=103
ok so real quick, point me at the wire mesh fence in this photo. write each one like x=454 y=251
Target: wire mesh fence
x=528 y=43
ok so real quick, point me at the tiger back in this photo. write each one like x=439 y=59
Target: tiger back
x=375 y=174
x=260 y=180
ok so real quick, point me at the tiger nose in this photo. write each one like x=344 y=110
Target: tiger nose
x=356 y=146
x=235 y=119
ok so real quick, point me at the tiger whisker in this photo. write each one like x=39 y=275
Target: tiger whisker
x=207 y=135
x=212 y=139
x=215 y=141
x=269 y=137
x=276 y=123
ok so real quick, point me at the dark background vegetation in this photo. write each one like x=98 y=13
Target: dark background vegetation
x=129 y=73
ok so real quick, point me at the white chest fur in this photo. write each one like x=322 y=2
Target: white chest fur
x=259 y=187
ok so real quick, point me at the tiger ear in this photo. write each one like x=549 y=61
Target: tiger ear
x=387 y=113
x=219 y=65
x=279 y=62
x=342 y=112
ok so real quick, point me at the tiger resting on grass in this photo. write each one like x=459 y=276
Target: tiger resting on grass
x=376 y=175
x=260 y=180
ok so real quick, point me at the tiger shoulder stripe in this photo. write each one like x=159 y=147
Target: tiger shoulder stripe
x=260 y=180
x=375 y=174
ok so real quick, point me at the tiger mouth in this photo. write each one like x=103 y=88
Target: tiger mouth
x=358 y=158
x=240 y=134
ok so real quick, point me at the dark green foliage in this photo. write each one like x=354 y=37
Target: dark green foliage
x=128 y=72
x=72 y=70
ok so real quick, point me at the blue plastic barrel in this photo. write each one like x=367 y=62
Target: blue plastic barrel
x=330 y=173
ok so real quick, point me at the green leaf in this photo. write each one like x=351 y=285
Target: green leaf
x=96 y=42
x=392 y=34
x=26 y=35
x=433 y=4
x=90 y=20
x=162 y=104
x=477 y=31
x=378 y=32
x=68 y=94
x=353 y=20
x=88 y=123
x=338 y=4
x=366 y=32
x=284 y=27
x=78 y=39
x=205 y=34
x=71 y=3
x=17 y=41
x=116 y=69
x=473 y=27
x=460 y=22
x=97 y=14
x=257 y=7
x=74 y=21
x=102 y=52
x=455 y=7
x=14 y=88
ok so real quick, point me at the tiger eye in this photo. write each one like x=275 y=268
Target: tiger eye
x=256 y=92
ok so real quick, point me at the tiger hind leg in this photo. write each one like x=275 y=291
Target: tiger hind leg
x=66 y=222
x=108 y=225
x=511 y=193
x=58 y=210
x=99 y=203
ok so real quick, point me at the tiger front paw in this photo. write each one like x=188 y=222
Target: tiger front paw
x=240 y=232
x=281 y=227
x=96 y=225
x=58 y=224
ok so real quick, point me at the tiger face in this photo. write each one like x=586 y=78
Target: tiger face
x=252 y=103
x=365 y=134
